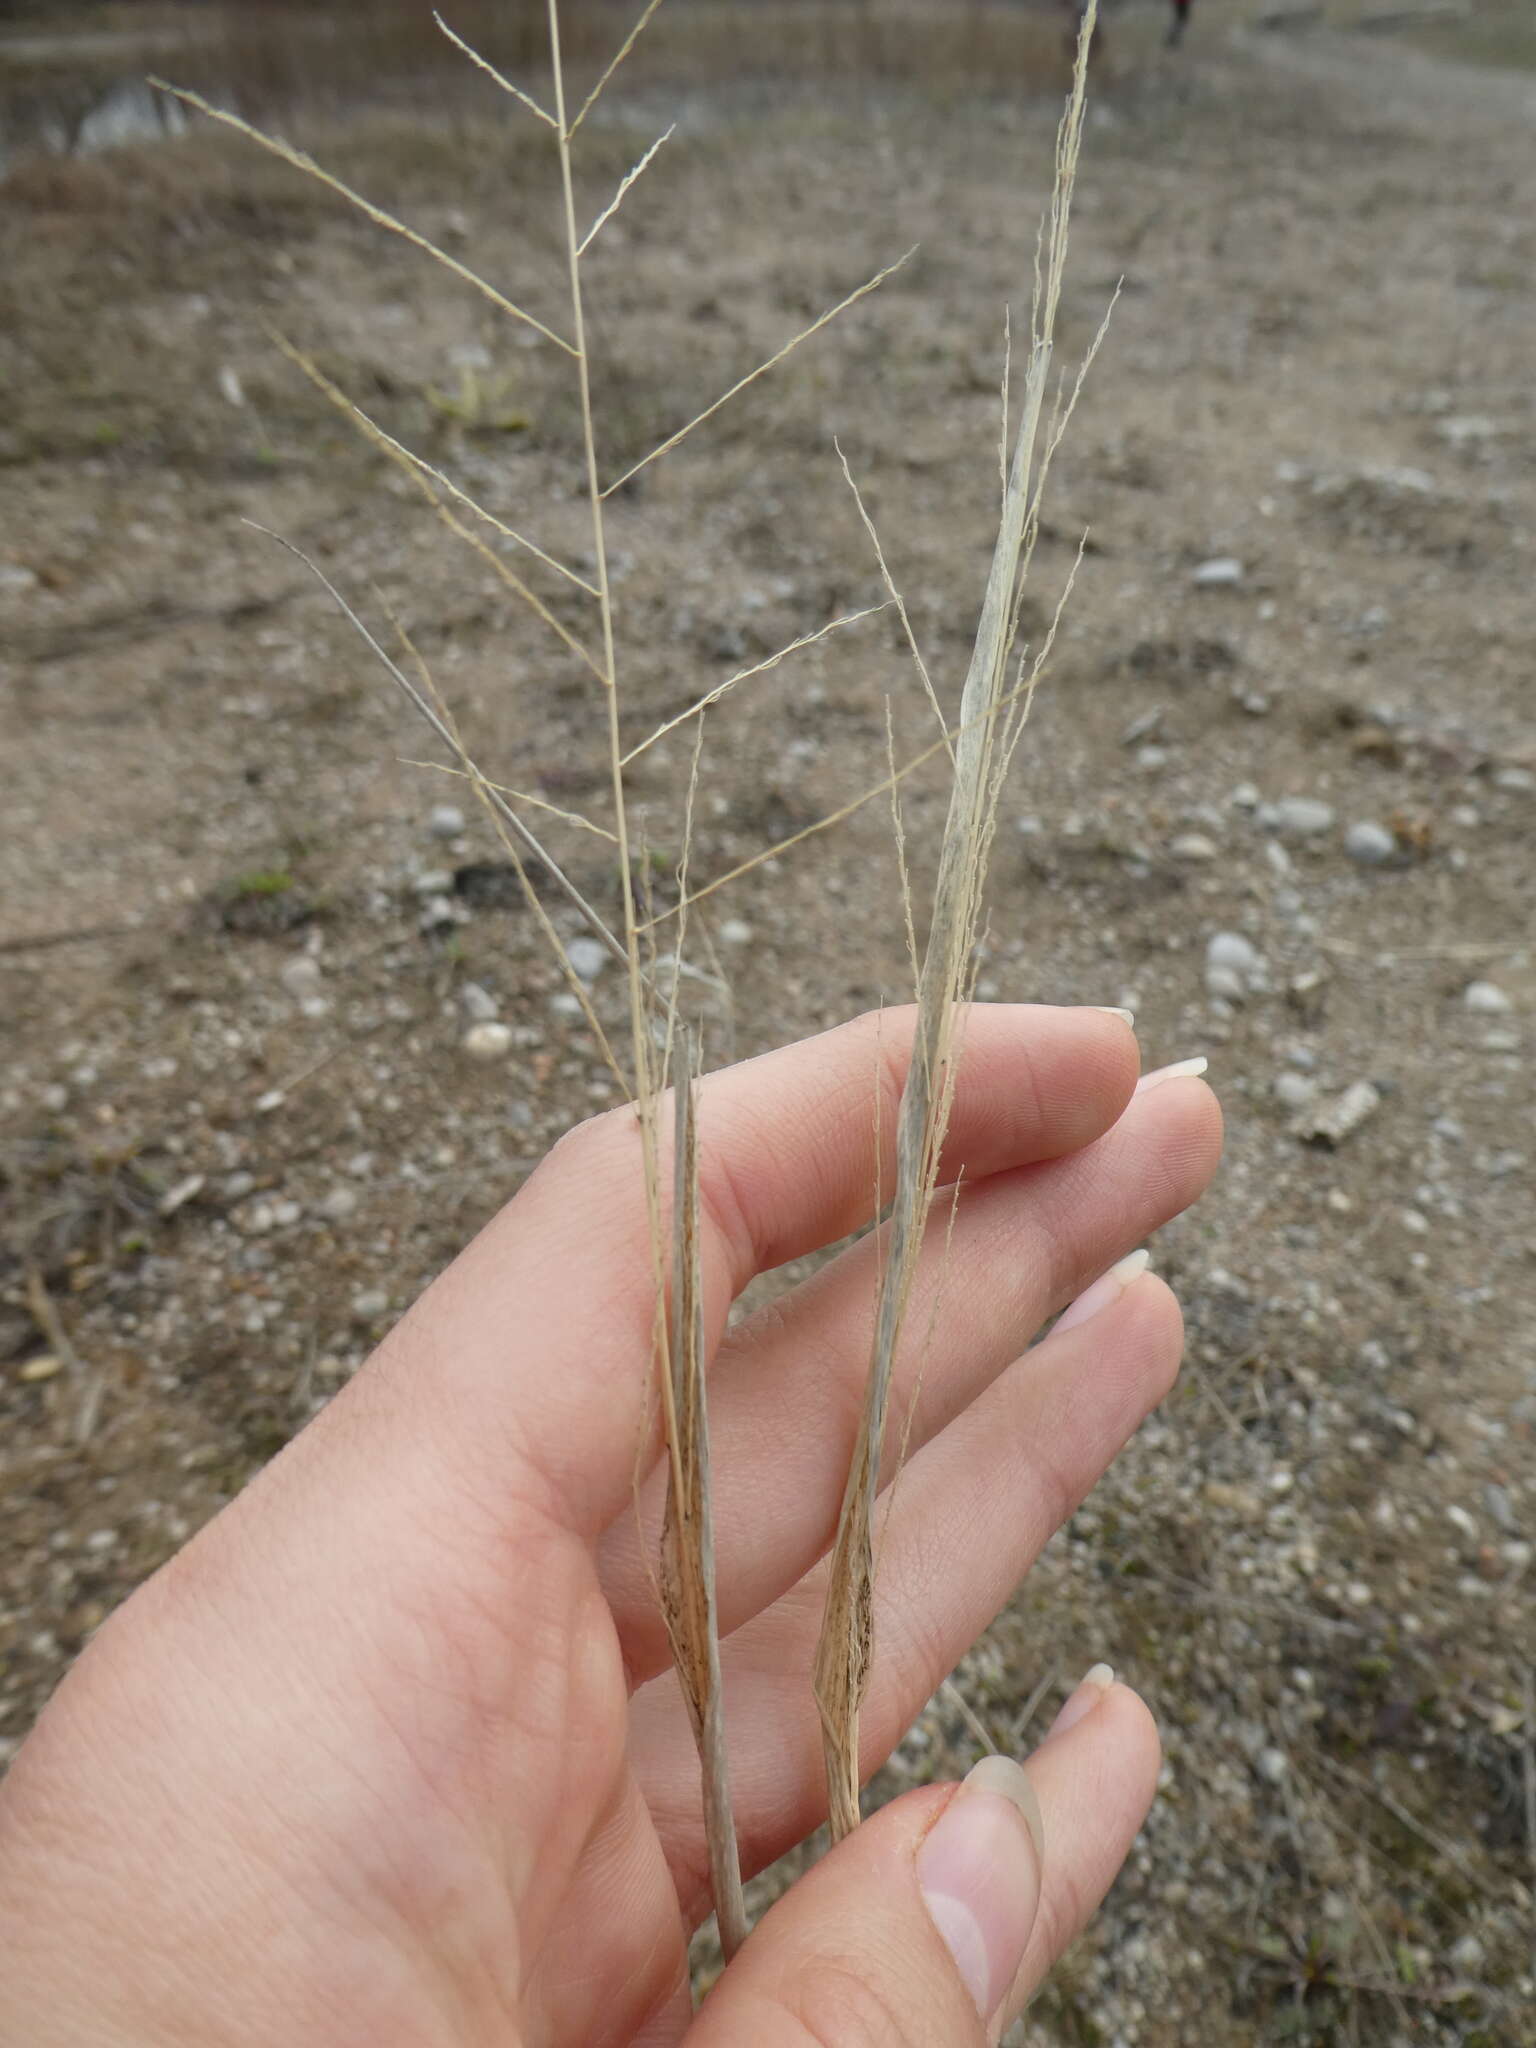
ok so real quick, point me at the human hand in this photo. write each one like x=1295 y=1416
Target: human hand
x=391 y=1753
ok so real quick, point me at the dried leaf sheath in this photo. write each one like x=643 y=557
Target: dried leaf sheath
x=688 y=1543
x=847 y=1637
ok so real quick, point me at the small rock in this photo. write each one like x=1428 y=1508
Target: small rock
x=339 y=1204
x=1194 y=846
x=1370 y=844
x=564 y=1004
x=274 y=1098
x=445 y=821
x=368 y=1306
x=488 y=1040
x=301 y=977
x=1233 y=966
x=1244 y=798
x=1227 y=983
x=1516 y=780
x=1486 y=999
x=1272 y=1765
x=1231 y=949
x=238 y=1185
x=737 y=932
x=1222 y=572
x=588 y=957
x=178 y=1197
x=1150 y=759
x=1295 y=1090
x=1302 y=817
x=15 y=578
x=1468 y=1953
x=479 y=1004
x=433 y=882
x=42 y=1367
x=1330 y=1123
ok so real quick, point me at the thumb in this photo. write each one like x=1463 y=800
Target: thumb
x=911 y=1932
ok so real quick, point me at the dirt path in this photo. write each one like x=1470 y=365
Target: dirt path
x=240 y=1129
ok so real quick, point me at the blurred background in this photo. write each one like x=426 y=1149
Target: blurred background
x=1278 y=796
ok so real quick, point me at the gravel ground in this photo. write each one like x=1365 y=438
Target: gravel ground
x=280 y=1037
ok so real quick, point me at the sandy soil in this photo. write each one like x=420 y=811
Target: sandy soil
x=240 y=1128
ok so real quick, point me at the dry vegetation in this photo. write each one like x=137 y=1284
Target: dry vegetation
x=240 y=1128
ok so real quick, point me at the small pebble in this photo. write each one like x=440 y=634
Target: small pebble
x=588 y=957
x=737 y=932
x=488 y=1040
x=15 y=578
x=1272 y=1765
x=1486 y=999
x=1514 y=779
x=1231 y=949
x=1150 y=759
x=478 y=1003
x=368 y=1306
x=339 y=1204
x=1370 y=844
x=1194 y=846
x=1245 y=797
x=301 y=977
x=445 y=821
x=1222 y=572
x=1295 y=1090
x=42 y=1367
x=1302 y=817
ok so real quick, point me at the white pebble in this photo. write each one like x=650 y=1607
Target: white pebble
x=488 y=1040
x=339 y=1204
x=737 y=932
x=479 y=1004
x=1486 y=999
x=1303 y=817
x=1231 y=949
x=1193 y=846
x=1222 y=572
x=588 y=957
x=1272 y=1766
x=1370 y=844
x=445 y=821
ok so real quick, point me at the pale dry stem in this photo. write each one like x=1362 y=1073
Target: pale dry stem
x=666 y=447
x=846 y=1644
x=275 y=146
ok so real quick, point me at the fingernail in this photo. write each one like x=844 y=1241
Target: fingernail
x=979 y=1873
x=1180 y=1070
x=1104 y=1010
x=1087 y=1696
x=1107 y=1288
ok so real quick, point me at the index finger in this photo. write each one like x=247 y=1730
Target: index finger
x=793 y=1147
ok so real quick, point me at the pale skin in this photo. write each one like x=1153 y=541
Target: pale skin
x=390 y=1754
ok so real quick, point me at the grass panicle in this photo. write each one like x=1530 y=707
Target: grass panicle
x=663 y=1045
x=989 y=728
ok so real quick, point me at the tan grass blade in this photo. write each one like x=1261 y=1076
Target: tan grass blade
x=416 y=470
x=666 y=447
x=387 y=441
x=450 y=739
x=490 y=71
x=846 y=1644
x=635 y=172
x=520 y=796
x=624 y=49
x=895 y=597
x=688 y=1545
x=275 y=146
x=742 y=675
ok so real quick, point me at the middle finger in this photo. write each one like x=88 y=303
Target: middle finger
x=787 y=1393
